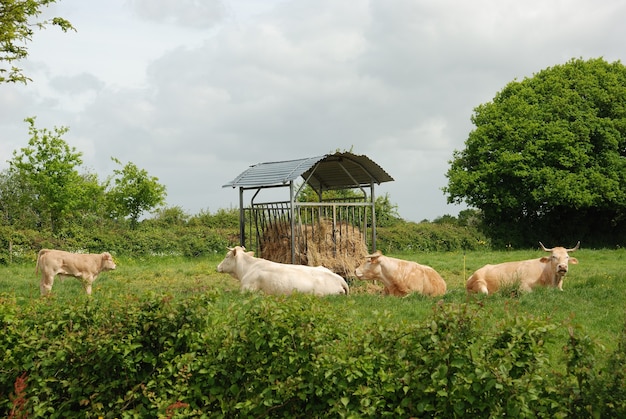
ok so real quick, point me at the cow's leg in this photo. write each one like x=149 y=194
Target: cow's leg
x=45 y=286
x=482 y=287
x=477 y=286
x=87 y=284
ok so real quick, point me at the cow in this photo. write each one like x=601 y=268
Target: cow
x=258 y=274
x=401 y=277
x=547 y=271
x=87 y=267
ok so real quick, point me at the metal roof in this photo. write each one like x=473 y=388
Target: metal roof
x=330 y=171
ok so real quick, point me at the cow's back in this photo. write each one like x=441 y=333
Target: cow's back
x=51 y=261
x=278 y=278
x=425 y=280
x=73 y=264
x=434 y=284
x=490 y=278
x=402 y=277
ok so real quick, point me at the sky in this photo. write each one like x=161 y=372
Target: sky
x=196 y=91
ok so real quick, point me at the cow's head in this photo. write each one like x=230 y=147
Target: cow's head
x=229 y=264
x=370 y=269
x=107 y=262
x=559 y=258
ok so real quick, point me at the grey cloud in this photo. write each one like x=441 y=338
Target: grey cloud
x=394 y=79
x=194 y=13
x=77 y=84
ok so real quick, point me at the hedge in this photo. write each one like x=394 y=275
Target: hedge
x=213 y=355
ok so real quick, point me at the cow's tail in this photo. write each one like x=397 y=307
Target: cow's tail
x=39 y=255
x=37 y=265
x=345 y=287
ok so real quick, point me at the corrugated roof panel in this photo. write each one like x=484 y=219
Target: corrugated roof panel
x=273 y=173
x=330 y=171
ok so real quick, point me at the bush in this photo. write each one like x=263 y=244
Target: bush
x=428 y=237
x=172 y=232
x=295 y=356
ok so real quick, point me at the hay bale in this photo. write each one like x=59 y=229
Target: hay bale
x=339 y=247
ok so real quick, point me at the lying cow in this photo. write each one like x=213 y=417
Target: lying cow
x=547 y=271
x=87 y=267
x=257 y=274
x=401 y=277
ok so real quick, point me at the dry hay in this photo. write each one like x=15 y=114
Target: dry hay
x=358 y=287
x=341 y=249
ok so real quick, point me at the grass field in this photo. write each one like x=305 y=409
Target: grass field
x=593 y=300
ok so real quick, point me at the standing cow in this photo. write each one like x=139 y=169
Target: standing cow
x=547 y=271
x=401 y=277
x=87 y=267
x=257 y=274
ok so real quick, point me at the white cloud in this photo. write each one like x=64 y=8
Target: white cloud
x=196 y=91
x=195 y=13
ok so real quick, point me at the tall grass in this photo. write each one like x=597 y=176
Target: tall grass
x=592 y=300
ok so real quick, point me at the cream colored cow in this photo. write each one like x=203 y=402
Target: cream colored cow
x=401 y=277
x=87 y=267
x=547 y=271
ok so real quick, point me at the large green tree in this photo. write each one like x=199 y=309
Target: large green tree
x=547 y=158
x=18 y=21
x=134 y=192
x=47 y=176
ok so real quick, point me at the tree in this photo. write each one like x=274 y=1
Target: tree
x=547 y=158
x=47 y=170
x=135 y=192
x=17 y=28
x=15 y=201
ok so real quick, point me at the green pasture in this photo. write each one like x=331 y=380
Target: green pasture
x=593 y=300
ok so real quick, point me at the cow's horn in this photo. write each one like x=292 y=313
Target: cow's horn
x=544 y=248
x=575 y=248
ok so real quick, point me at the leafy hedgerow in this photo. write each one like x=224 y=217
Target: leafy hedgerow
x=211 y=355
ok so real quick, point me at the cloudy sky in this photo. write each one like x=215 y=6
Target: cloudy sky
x=195 y=91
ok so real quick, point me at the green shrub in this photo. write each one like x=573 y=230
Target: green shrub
x=299 y=356
x=425 y=236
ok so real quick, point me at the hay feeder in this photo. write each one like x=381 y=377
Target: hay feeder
x=336 y=234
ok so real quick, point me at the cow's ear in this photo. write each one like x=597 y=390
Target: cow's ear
x=573 y=260
x=545 y=259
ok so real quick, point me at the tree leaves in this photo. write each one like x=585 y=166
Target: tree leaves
x=16 y=29
x=43 y=187
x=556 y=140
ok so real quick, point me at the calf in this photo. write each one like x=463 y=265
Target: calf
x=401 y=277
x=87 y=267
x=542 y=272
x=257 y=274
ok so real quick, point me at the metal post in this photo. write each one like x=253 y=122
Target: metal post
x=373 y=217
x=242 y=220
x=293 y=227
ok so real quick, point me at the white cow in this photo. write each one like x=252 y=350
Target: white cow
x=542 y=272
x=257 y=274
x=84 y=266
